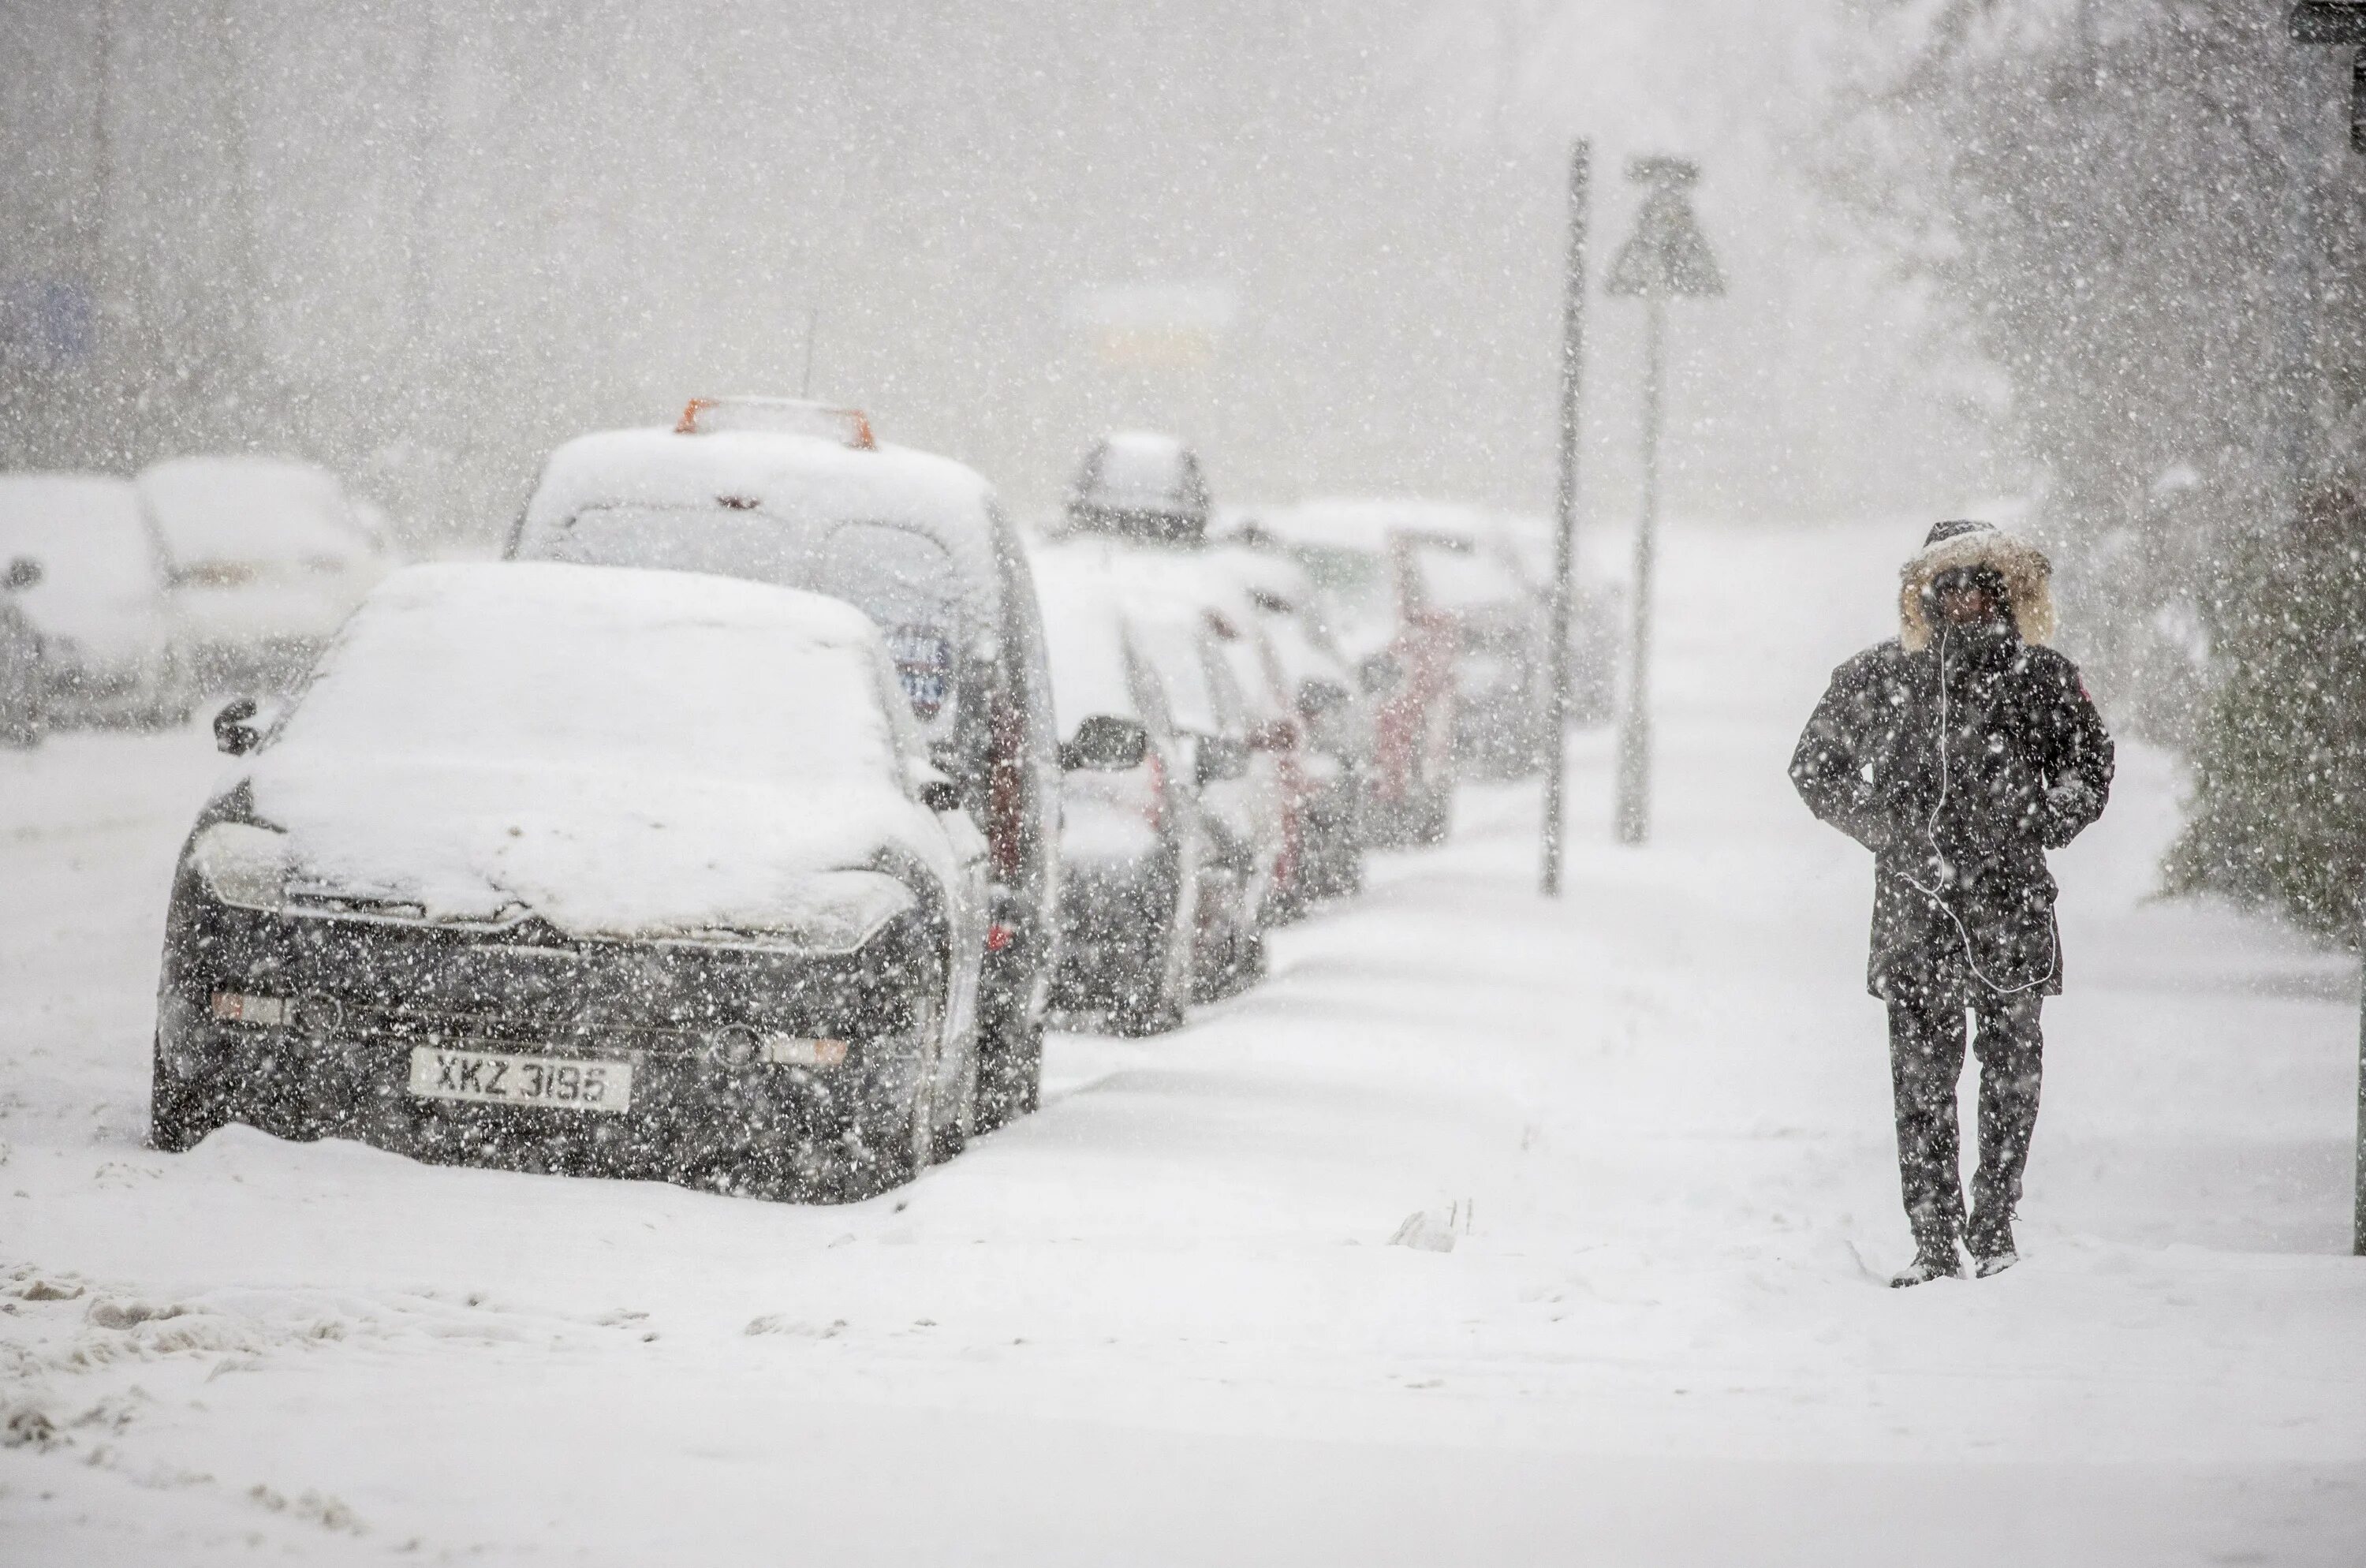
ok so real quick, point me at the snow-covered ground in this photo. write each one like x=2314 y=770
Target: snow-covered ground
x=1161 y=1321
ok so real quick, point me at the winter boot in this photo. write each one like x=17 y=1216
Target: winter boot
x=1991 y=1245
x=1933 y=1259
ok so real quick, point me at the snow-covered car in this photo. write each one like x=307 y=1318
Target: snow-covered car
x=1315 y=687
x=1357 y=554
x=1135 y=847
x=800 y=495
x=1137 y=484
x=107 y=634
x=636 y=873
x=1243 y=796
x=264 y=559
x=22 y=717
x=1503 y=673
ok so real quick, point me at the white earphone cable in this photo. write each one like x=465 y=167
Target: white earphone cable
x=1931 y=831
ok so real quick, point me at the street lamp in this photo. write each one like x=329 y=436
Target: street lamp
x=1666 y=259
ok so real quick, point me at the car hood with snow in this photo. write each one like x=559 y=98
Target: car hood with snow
x=622 y=753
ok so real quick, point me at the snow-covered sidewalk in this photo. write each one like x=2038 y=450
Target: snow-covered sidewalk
x=1161 y=1321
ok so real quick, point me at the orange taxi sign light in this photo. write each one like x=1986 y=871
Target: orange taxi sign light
x=778 y=417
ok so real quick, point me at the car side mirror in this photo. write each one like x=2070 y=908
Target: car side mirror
x=1221 y=756
x=1274 y=735
x=233 y=731
x=23 y=572
x=939 y=792
x=1316 y=698
x=1105 y=743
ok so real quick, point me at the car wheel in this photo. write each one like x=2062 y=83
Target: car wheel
x=1010 y=1078
x=1157 y=1008
x=953 y=1133
x=181 y=1111
x=1433 y=818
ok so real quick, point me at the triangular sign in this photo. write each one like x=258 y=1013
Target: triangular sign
x=1669 y=256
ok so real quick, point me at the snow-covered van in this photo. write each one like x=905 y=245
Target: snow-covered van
x=107 y=652
x=632 y=872
x=802 y=496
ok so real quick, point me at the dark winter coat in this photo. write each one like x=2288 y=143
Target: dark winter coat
x=1959 y=758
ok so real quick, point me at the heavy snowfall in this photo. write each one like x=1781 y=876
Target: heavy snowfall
x=814 y=784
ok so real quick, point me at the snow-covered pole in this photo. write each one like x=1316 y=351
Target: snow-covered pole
x=1635 y=733
x=2358 y=1200
x=1667 y=259
x=1564 y=589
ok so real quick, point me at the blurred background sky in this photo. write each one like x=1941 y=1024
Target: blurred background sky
x=425 y=242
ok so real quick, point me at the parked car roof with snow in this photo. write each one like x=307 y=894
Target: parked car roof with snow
x=780 y=506
x=1138 y=484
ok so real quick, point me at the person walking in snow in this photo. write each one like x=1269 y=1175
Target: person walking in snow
x=1959 y=752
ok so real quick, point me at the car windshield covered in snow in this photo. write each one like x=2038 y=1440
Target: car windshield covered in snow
x=619 y=752
x=463 y=664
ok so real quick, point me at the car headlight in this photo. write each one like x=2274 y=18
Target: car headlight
x=828 y=912
x=242 y=865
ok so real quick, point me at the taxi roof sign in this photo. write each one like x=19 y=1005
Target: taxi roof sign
x=778 y=417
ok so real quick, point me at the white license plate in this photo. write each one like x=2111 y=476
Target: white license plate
x=496 y=1078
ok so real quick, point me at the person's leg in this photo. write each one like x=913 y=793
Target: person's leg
x=2011 y=1048
x=1926 y=1058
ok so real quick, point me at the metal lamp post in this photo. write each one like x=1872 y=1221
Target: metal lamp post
x=1572 y=367
x=1667 y=258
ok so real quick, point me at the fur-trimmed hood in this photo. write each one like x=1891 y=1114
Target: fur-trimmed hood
x=2028 y=580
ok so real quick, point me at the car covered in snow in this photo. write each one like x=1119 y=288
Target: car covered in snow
x=108 y=649
x=1138 y=484
x=1312 y=688
x=801 y=495
x=563 y=867
x=264 y=559
x=1359 y=556
x=1472 y=577
x=1144 y=898
x=22 y=714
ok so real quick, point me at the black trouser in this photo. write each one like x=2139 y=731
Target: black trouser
x=1926 y=1058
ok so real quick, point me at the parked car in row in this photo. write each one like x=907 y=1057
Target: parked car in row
x=1312 y=685
x=1140 y=485
x=22 y=714
x=109 y=652
x=555 y=866
x=1368 y=609
x=801 y=495
x=263 y=559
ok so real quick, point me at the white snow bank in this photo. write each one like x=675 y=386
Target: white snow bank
x=101 y=584
x=624 y=752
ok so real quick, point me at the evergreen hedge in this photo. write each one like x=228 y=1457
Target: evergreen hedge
x=2278 y=808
